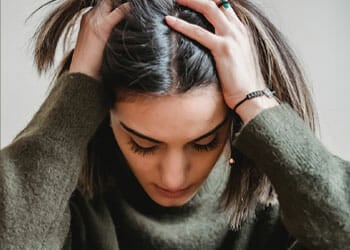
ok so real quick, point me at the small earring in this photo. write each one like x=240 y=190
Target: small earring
x=235 y=158
x=231 y=162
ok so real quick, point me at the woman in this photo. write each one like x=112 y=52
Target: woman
x=150 y=169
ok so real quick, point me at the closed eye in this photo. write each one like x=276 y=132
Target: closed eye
x=136 y=148
x=207 y=147
x=141 y=150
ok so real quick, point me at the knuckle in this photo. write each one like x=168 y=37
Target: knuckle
x=210 y=7
x=246 y=36
x=243 y=29
x=86 y=18
x=226 y=46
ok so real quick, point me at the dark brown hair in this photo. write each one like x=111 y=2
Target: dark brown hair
x=144 y=55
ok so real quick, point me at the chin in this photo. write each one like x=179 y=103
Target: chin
x=172 y=202
x=166 y=199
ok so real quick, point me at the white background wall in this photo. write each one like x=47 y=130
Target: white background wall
x=319 y=31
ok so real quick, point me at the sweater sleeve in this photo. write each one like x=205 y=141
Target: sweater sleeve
x=313 y=185
x=40 y=168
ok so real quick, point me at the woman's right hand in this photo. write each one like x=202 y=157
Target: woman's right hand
x=95 y=29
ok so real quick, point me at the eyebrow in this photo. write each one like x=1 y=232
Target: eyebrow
x=138 y=134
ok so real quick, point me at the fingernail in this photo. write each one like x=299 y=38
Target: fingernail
x=170 y=19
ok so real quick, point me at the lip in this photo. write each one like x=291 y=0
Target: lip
x=172 y=194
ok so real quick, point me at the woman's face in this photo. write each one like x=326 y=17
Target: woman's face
x=172 y=142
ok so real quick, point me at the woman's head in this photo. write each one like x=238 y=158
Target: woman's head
x=163 y=86
x=172 y=142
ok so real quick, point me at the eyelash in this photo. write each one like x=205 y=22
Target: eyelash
x=200 y=148
x=141 y=150
x=207 y=147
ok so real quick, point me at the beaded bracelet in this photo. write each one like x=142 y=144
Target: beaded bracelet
x=267 y=92
x=236 y=156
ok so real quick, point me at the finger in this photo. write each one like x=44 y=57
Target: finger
x=118 y=14
x=203 y=36
x=229 y=12
x=210 y=10
x=105 y=6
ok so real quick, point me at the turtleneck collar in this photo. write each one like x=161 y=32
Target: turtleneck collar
x=143 y=224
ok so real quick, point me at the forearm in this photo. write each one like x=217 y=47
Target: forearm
x=71 y=112
x=311 y=183
x=40 y=169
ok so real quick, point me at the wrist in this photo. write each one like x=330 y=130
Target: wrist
x=85 y=71
x=251 y=108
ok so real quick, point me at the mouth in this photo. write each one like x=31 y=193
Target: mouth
x=172 y=193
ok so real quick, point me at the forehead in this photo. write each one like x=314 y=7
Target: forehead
x=171 y=117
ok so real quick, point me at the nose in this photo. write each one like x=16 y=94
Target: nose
x=174 y=168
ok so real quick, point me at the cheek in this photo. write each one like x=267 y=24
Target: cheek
x=203 y=163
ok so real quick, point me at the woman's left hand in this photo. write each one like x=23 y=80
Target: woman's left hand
x=231 y=46
x=95 y=28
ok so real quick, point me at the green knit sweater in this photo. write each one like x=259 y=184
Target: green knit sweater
x=40 y=208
